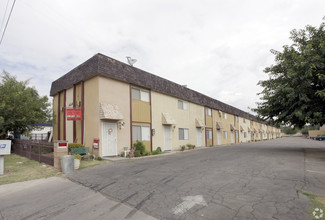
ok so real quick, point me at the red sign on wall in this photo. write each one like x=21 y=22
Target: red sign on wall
x=74 y=114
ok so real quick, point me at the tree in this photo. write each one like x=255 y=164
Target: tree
x=294 y=94
x=20 y=106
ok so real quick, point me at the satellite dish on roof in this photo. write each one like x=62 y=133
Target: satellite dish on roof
x=131 y=61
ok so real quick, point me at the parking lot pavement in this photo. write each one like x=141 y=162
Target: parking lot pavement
x=261 y=180
x=58 y=198
x=315 y=167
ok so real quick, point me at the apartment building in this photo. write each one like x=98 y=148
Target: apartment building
x=108 y=105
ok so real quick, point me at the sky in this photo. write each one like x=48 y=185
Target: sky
x=216 y=47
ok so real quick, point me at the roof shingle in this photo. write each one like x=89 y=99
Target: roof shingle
x=105 y=66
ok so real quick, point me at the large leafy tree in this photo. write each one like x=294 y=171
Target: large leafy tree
x=20 y=106
x=294 y=94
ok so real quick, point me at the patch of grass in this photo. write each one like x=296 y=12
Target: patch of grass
x=18 y=169
x=91 y=163
x=317 y=202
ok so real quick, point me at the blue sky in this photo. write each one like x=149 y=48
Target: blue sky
x=216 y=47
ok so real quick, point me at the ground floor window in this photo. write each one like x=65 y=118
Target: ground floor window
x=183 y=134
x=209 y=134
x=140 y=133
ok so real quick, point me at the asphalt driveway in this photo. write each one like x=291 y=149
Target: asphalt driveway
x=260 y=180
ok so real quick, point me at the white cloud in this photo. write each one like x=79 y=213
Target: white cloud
x=218 y=48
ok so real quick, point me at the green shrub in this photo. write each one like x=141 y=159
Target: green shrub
x=99 y=158
x=190 y=146
x=137 y=153
x=182 y=147
x=74 y=145
x=148 y=153
x=139 y=146
x=77 y=156
x=155 y=152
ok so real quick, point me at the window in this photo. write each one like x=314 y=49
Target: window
x=224 y=115
x=236 y=119
x=183 y=133
x=209 y=134
x=244 y=120
x=245 y=134
x=139 y=94
x=225 y=134
x=208 y=111
x=140 y=133
x=182 y=105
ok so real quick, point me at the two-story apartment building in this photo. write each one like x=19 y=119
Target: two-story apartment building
x=114 y=104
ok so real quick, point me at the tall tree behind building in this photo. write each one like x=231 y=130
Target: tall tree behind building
x=21 y=107
x=294 y=94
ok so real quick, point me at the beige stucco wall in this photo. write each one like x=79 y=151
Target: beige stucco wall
x=91 y=113
x=226 y=127
x=245 y=125
x=215 y=119
x=116 y=93
x=69 y=124
x=161 y=103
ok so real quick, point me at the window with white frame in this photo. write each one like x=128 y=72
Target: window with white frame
x=225 y=134
x=224 y=115
x=245 y=134
x=183 y=134
x=182 y=105
x=244 y=120
x=236 y=119
x=139 y=94
x=209 y=134
x=208 y=111
x=140 y=133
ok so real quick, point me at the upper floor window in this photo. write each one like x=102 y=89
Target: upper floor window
x=182 y=105
x=236 y=119
x=224 y=115
x=183 y=134
x=244 y=120
x=139 y=94
x=208 y=111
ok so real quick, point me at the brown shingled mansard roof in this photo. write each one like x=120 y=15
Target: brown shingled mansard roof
x=105 y=66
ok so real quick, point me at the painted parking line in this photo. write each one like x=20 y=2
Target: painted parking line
x=188 y=203
x=312 y=171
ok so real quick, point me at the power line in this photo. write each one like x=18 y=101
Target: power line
x=4 y=16
x=4 y=31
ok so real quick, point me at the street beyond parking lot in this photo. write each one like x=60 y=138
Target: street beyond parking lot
x=261 y=180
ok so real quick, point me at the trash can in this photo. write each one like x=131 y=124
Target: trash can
x=67 y=163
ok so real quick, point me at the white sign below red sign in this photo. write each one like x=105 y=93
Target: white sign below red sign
x=74 y=114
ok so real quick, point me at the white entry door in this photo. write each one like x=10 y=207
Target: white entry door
x=218 y=137
x=232 y=137
x=109 y=146
x=198 y=137
x=168 y=138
